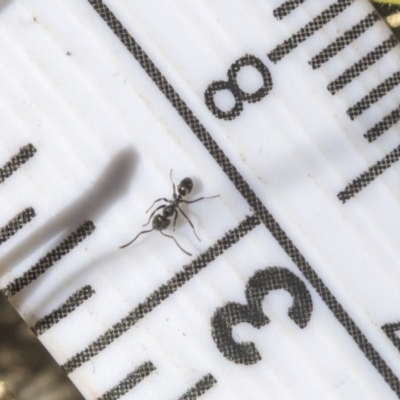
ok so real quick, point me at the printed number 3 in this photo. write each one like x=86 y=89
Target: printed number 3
x=232 y=85
x=258 y=286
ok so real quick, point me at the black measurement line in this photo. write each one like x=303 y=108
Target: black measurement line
x=374 y=95
x=286 y=8
x=204 y=384
x=308 y=30
x=381 y=127
x=49 y=259
x=24 y=154
x=242 y=186
x=390 y=330
x=367 y=177
x=363 y=64
x=162 y=293
x=16 y=224
x=64 y=310
x=129 y=382
x=342 y=41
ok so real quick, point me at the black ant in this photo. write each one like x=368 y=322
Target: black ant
x=162 y=221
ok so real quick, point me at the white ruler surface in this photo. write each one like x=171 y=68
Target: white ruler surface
x=288 y=111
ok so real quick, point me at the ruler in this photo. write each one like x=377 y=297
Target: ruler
x=288 y=112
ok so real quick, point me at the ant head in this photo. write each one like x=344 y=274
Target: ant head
x=160 y=222
x=185 y=187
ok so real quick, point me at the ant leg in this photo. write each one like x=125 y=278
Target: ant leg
x=151 y=215
x=171 y=237
x=156 y=202
x=173 y=184
x=190 y=222
x=175 y=218
x=201 y=198
x=126 y=245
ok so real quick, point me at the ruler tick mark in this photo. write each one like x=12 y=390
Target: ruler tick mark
x=49 y=259
x=162 y=293
x=367 y=177
x=381 y=127
x=16 y=224
x=286 y=8
x=24 y=154
x=373 y=96
x=341 y=42
x=204 y=384
x=308 y=30
x=63 y=311
x=362 y=65
x=127 y=384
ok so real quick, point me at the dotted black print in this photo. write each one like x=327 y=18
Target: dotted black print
x=63 y=311
x=374 y=95
x=232 y=86
x=242 y=186
x=16 y=224
x=129 y=382
x=367 y=177
x=177 y=281
x=24 y=154
x=390 y=330
x=49 y=259
x=341 y=42
x=317 y=23
x=381 y=127
x=204 y=384
x=286 y=8
x=360 y=66
x=257 y=288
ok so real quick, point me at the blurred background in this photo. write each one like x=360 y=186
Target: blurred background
x=27 y=370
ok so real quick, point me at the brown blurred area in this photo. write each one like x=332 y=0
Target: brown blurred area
x=391 y=14
x=27 y=370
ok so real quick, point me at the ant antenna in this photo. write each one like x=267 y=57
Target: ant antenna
x=155 y=203
x=126 y=245
x=173 y=184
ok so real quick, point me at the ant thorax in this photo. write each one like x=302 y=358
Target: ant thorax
x=160 y=222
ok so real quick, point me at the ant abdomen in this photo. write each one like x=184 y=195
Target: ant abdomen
x=160 y=222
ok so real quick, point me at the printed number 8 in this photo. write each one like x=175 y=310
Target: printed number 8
x=232 y=85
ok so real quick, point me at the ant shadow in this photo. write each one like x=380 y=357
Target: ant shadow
x=197 y=187
x=104 y=261
x=111 y=185
x=83 y=275
x=4 y=3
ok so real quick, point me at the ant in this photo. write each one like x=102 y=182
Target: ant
x=162 y=221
